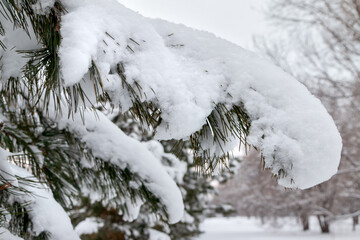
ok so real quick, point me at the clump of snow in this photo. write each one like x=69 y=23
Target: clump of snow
x=6 y=235
x=174 y=167
x=6 y=171
x=108 y=142
x=187 y=218
x=89 y=226
x=45 y=213
x=132 y=209
x=186 y=72
x=156 y=235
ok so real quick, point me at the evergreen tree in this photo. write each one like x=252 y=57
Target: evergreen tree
x=62 y=59
x=197 y=191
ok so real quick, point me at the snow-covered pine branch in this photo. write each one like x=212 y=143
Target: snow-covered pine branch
x=186 y=84
x=185 y=73
x=46 y=215
x=109 y=143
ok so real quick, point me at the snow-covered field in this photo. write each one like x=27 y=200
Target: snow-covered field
x=241 y=228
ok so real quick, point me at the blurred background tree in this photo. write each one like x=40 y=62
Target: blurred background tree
x=318 y=42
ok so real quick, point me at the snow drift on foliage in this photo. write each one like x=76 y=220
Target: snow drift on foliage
x=104 y=138
x=45 y=213
x=186 y=72
x=108 y=142
x=6 y=235
x=88 y=226
x=156 y=235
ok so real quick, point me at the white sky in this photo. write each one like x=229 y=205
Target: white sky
x=234 y=20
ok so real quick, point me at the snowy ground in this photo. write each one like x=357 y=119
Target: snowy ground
x=241 y=228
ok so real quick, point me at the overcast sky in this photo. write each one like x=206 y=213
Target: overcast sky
x=235 y=20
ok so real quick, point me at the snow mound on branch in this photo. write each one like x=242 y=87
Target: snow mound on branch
x=186 y=72
x=45 y=213
x=6 y=171
x=156 y=235
x=108 y=142
x=89 y=226
x=173 y=166
x=6 y=235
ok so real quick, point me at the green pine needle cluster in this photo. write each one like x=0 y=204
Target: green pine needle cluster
x=54 y=155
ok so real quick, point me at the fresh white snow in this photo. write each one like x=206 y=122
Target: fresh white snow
x=242 y=228
x=45 y=213
x=88 y=226
x=186 y=72
x=156 y=235
x=108 y=142
x=6 y=235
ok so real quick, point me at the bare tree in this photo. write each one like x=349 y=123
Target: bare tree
x=253 y=195
x=318 y=41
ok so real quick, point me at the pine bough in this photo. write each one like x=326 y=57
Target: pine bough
x=62 y=59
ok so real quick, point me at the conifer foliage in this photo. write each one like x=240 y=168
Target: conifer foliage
x=63 y=60
x=109 y=222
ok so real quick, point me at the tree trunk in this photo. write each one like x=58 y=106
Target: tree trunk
x=355 y=222
x=324 y=224
x=305 y=222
